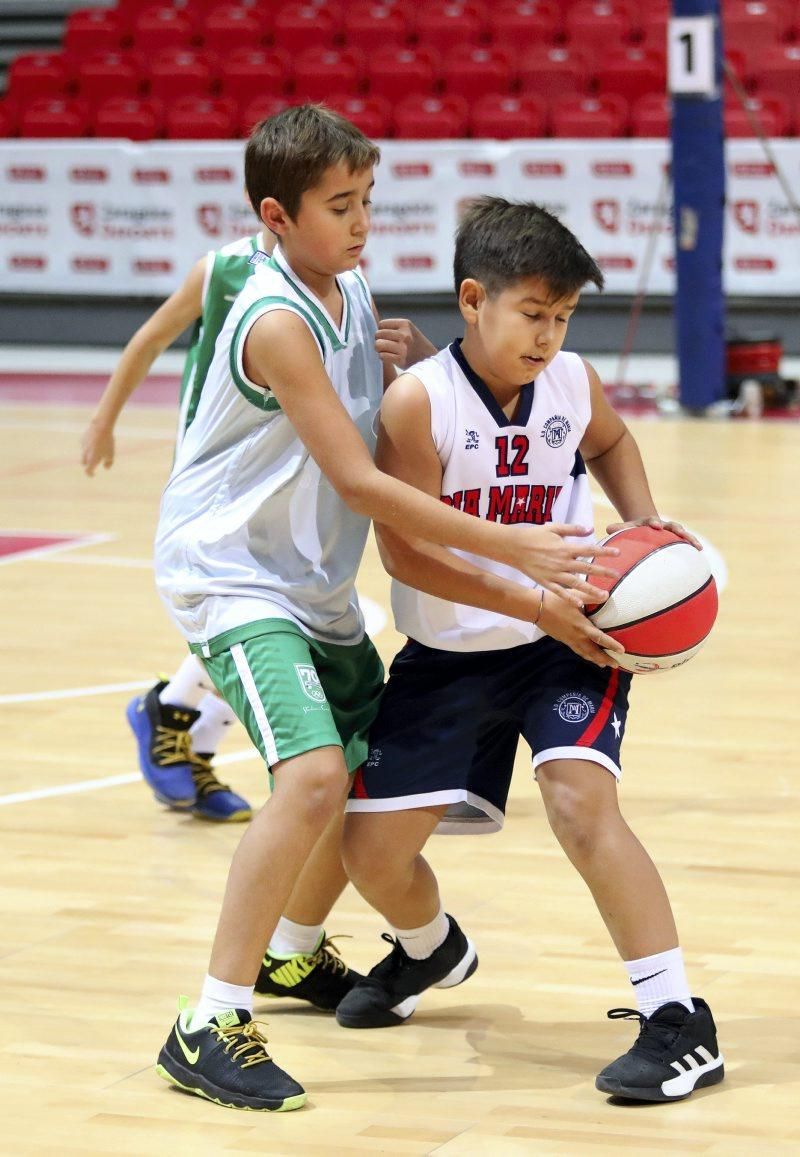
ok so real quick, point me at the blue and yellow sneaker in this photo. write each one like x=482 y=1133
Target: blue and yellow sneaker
x=226 y=1061
x=321 y=977
x=215 y=800
x=165 y=749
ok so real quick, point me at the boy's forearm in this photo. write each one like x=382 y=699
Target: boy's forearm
x=436 y=571
x=130 y=372
x=620 y=472
x=402 y=507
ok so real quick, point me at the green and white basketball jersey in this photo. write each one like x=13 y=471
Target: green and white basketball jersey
x=250 y=530
x=227 y=271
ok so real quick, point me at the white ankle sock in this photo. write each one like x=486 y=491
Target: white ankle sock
x=658 y=980
x=420 y=943
x=188 y=685
x=219 y=996
x=215 y=717
x=290 y=939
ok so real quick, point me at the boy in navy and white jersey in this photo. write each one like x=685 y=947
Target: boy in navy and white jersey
x=502 y=425
x=261 y=531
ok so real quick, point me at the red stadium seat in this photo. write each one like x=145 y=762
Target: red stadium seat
x=651 y=115
x=36 y=74
x=190 y=119
x=248 y=72
x=598 y=26
x=108 y=74
x=603 y=116
x=371 y=114
x=523 y=22
x=560 y=71
x=431 y=118
x=746 y=23
x=780 y=71
x=9 y=118
x=176 y=73
x=368 y=26
x=54 y=117
x=472 y=71
x=301 y=26
x=161 y=27
x=228 y=27
x=440 y=26
x=631 y=72
x=505 y=118
x=258 y=110
x=395 y=73
x=130 y=118
x=653 y=29
x=772 y=116
x=93 y=30
x=319 y=71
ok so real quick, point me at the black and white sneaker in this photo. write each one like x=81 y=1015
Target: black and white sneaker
x=389 y=994
x=675 y=1053
x=226 y=1061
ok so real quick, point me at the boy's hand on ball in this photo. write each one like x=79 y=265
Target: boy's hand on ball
x=563 y=567
x=657 y=524
x=569 y=625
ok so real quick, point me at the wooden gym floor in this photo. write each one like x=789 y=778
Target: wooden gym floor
x=110 y=902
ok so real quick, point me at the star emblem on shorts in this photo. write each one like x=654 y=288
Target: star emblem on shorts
x=616 y=724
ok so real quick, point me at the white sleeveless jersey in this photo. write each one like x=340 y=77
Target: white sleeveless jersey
x=522 y=470
x=249 y=528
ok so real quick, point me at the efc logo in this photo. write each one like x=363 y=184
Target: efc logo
x=472 y=442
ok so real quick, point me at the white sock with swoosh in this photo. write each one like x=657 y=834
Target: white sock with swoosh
x=659 y=979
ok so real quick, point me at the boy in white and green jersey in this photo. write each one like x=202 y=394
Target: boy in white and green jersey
x=262 y=526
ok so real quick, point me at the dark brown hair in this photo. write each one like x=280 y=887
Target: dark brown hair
x=499 y=242
x=287 y=154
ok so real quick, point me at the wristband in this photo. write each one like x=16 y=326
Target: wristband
x=541 y=606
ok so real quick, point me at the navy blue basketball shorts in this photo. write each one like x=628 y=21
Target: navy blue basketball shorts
x=449 y=722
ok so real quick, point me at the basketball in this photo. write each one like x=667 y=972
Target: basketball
x=663 y=603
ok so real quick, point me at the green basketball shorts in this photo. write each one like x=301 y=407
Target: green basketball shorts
x=293 y=693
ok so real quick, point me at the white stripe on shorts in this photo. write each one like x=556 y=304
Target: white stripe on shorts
x=250 y=690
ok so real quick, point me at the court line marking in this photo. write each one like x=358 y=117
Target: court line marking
x=107 y=781
x=80 y=427
x=37 y=552
x=73 y=692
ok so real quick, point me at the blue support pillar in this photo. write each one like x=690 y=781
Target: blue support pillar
x=698 y=177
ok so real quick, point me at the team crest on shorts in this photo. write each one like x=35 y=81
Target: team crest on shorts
x=574 y=707
x=555 y=431
x=309 y=681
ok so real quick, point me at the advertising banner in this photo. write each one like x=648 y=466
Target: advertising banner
x=118 y=218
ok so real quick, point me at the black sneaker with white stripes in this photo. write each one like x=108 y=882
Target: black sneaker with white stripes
x=389 y=994
x=675 y=1053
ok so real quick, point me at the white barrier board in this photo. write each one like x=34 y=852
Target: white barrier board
x=117 y=218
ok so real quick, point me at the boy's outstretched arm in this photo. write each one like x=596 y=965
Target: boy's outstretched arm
x=151 y=339
x=280 y=353
x=406 y=451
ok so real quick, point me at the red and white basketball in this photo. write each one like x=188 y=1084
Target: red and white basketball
x=663 y=603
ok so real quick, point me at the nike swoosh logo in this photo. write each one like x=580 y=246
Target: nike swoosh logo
x=187 y=1052
x=652 y=976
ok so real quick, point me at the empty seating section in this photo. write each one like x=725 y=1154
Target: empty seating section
x=499 y=69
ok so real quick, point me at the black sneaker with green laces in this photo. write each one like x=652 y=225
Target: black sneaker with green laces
x=389 y=994
x=226 y=1061
x=320 y=977
x=675 y=1053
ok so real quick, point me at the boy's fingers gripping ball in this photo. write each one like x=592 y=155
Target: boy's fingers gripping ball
x=663 y=603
